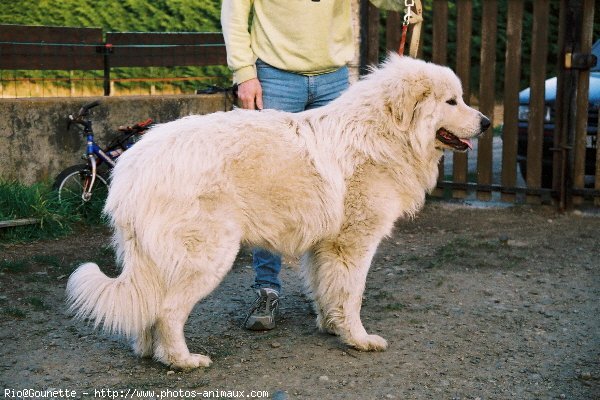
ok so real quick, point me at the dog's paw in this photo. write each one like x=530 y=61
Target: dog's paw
x=191 y=362
x=369 y=343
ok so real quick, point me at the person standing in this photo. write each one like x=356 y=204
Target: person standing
x=290 y=56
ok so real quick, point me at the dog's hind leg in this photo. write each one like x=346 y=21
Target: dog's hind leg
x=335 y=275
x=199 y=274
x=169 y=341
x=142 y=344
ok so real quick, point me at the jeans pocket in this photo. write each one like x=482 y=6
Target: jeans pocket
x=261 y=64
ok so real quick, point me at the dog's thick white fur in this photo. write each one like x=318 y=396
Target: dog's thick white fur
x=326 y=184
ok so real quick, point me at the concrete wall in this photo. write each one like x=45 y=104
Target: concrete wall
x=35 y=144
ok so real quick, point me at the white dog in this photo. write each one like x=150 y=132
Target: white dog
x=327 y=184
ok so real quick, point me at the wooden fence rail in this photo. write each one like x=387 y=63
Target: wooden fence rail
x=46 y=47
x=165 y=49
x=63 y=48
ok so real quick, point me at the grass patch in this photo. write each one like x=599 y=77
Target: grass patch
x=37 y=201
x=37 y=303
x=13 y=267
x=394 y=307
x=45 y=259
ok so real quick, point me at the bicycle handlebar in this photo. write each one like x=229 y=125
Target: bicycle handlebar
x=84 y=110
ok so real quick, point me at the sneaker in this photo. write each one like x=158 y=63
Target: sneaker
x=262 y=314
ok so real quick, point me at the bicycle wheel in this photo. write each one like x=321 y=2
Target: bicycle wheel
x=70 y=185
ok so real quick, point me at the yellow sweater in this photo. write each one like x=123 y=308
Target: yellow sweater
x=302 y=36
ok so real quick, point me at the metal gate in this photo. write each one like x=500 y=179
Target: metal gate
x=552 y=154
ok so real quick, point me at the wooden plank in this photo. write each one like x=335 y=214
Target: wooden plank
x=558 y=157
x=539 y=53
x=440 y=32
x=487 y=93
x=19 y=222
x=167 y=55
x=372 y=35
x=139 y=49
x=464 y=23
x=49 y=47
x=76 y=48
x=583 y=85
x=512 y=77
x=393 y=31
x=49 y=34
x=48 y=56
x=440 y=56
x=150 y=38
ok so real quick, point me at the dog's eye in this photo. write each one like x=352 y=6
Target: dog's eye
x=452 y=102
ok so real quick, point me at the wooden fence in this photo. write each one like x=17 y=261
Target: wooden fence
x=63 y=48
x=46 y=47
x=497 y=174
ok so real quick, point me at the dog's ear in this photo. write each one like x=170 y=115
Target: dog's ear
x=402 y=101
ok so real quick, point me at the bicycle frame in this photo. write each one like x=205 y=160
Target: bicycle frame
x=94 y=154
x=93 y=151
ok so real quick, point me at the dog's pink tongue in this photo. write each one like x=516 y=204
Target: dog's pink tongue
x=467 y=142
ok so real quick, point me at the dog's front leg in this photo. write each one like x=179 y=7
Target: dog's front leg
x=335 y=275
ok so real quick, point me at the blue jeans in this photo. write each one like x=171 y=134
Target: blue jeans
x=291 y=92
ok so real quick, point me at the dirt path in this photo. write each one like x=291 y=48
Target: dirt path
x=475 y=303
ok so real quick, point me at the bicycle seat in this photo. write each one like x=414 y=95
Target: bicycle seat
x=137 y=128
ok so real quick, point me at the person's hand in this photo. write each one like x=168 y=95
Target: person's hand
x=250 y=94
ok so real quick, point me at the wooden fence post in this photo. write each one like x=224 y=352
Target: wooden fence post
x=512 y=77
x=440 y=56
x=369 y=35
x=583 y=85
x=487 y=94
x=566 y=101
x=535 y=136
x=106 y=52
x=464 y=22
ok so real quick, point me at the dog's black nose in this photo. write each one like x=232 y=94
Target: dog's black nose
x=485 y=123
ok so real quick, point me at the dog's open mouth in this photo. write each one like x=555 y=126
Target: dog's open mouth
x=450 y=139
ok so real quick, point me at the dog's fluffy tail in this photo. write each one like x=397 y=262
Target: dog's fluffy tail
x=127 y=304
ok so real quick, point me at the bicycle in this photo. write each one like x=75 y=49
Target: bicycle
x=86 y=185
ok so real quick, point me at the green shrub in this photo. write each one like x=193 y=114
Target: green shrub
x=38 y=201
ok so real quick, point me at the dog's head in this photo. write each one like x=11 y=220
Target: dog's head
x=425 y=100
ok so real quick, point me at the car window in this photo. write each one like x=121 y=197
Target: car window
x=596 y=52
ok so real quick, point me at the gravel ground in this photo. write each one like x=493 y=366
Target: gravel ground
x=476 y=303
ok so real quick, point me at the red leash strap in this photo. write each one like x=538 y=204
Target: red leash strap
x=403 y=40
x=408 y=4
